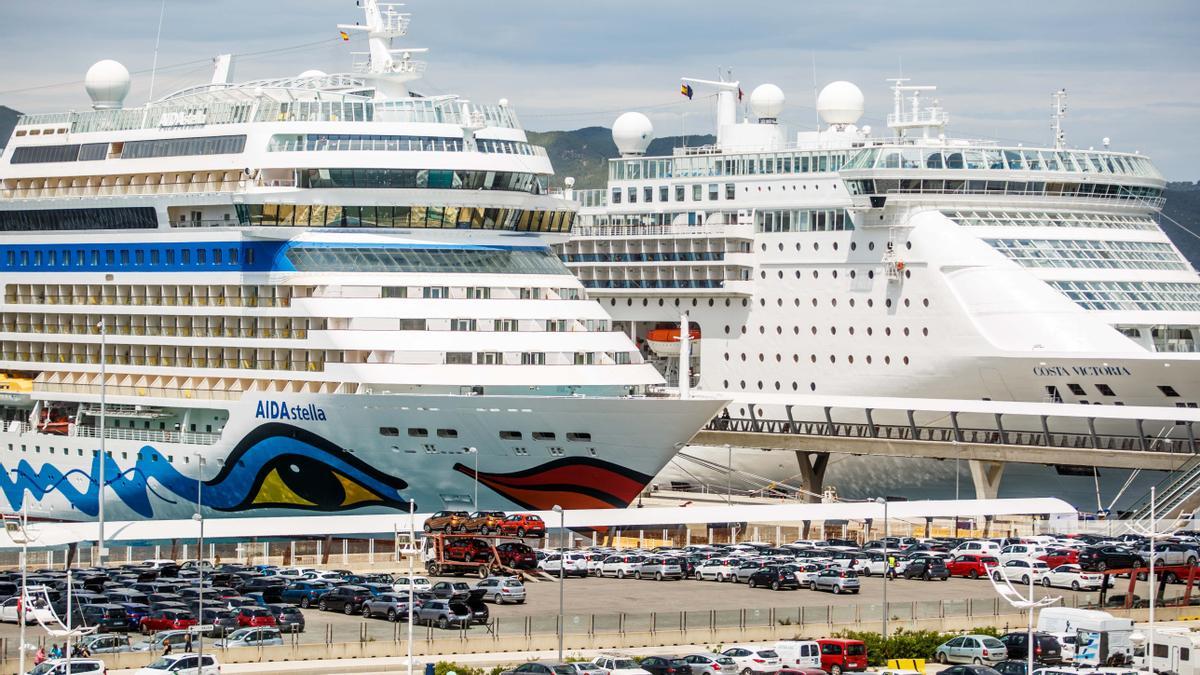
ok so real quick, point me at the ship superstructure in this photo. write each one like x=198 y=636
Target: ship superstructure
x=324 y=292
x=839 y=262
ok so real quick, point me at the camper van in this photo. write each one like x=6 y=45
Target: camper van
x=1173 y=650
x=1106 y=634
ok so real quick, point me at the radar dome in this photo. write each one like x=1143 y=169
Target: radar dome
x=840 y=102
x=767 y=101
x=632 y=133
x=107 y=83
x=313 y=73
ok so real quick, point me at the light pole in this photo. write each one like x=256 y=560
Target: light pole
x=887 y=563
x=1010 y=594
x=412 y=599
x=1152 y=533
x=18 y=532
x=103 y=414
x=562 y=566
x=475 y=500
x=728 y=475
x=198 y=516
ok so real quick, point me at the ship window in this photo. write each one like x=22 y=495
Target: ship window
x=389 y=431
x=1105 y=389
x=201 y=256
x=580 y=436
x=510 y=435
x=1168 y=390
x=418 y=433
x=543 y=436
x=1077 y=390
x=447 y=433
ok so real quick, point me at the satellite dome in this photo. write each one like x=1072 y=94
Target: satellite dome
x=767 y=101
x=840 y=102
x=313 y=73
x=107 y=83
x=632 y=132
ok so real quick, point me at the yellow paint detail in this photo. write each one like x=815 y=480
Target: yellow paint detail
x=355 y=493
x=274 y=491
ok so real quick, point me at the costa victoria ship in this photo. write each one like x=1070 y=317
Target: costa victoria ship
x=837 y=262
x=313 y=293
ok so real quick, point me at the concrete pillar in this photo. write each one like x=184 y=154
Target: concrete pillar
x=71 y=549
x=986 y=477
x=867 y=529
x=928 y=525
x=756 y=537
x=812 y=472
x=804 y=531
x=778 y=535
x=174 y=549
x=345 y=551
x=987 y=526
x=371 y=550
x=641 y=539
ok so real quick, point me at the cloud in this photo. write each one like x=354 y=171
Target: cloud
x=1130 y=69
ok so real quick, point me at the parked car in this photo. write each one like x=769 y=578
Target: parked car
x=839 y=655
x=1045 y=647
x=742 y=572
x=971 y=565
x=37 y=610
x=106 y=618
x=1022 y=570
x=1016 y=667
x=1053 y=557
x=418 y=584
x=659 y=567
x=176 y=638
x=502 y=590
x=977 y=649
x=926 y=568
x=1169 y=554
x=107 y=643
x=77 y=667
x=391 y=606
x=216 y=622
x=617 y=664
x=666 y=665
x=751 y=660
x=348 y=599
x=451 y=589
x=444 y=613
x=774 y=577
x=715 y=569
x=167 y=619
x=1074 y=577
x=573 y=564
x=836 y=581
x=708 y=663
x=255 y=617
x=1020 y=552
x=799 y=654
x=184 y=664
x=484 y=522
x=445 y=521
x=518 y=556
x=1101 y=558
x=257 y=636
x=467 y=549
x=541 y=668
x=585 y=668
x=971 y=669
x=305 y=593
x=523 y=525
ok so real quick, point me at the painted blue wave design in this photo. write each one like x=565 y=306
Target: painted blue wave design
x=275 y=466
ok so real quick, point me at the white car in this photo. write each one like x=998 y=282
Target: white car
x=318 y=575
x=716 y=569
x=1073 y=577
x=181 y=664
x=1020 y=551
x=575 y=564
x=621 y=565
x=615 y=664
x=806 y=573
x=401 y=584
x=1170 y=554
x=754 y=659
x=1022 y=571
x=36 y=612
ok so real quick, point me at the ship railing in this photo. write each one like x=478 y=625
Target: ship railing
x=724 y=230
x=90 y=191
x=1136 y=442
x=159 y=435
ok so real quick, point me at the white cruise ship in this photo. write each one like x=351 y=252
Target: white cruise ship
x=912 y=264
x=315 y=293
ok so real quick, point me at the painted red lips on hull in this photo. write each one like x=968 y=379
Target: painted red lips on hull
x=572 y=482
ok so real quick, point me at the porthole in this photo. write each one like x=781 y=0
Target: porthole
x=925 y=332
x=781 y=246
x=834 y=302
x=887 y=331
x=762 y=274
x=870 y=274
x=833 y=358
x=907 y=274
x=888 y=303
x=797 y=271
x=850 y=358
x=797 y=246
x=760 y=357
x=906 y=360
x=816 y=246
x=814 y=300
x=762 y=330
x=795 y=358
x=870 y=331
x=835 y=274
x=887 y=360
x=745 y=302
x=724 y=384
x=726 y=356
x=870 y=302
x=694 y=302
x=833 y=330
x=907 y=302
x=851 y=302
x=743 y=386
x=779 y=302
x=660 y=302
x=760 y=385
x=612 y=303
x=795 y=330
x=851 y=329
x=853 y=274
x=645 y=303
x=812 y=386
x=906 y=331
x=814 y=330
x=853 y=246
x=762 y=302
x=813 y=358
x=795 y=386
x=779 y=330
x=764 y=247
x=797 y=301
x=629 y=303
x=777 y=385
x=868 y=358
x=676 y=302
x=779 y=358
x=710 y=302
x=726 y=302
x=743 y=356
x=908 y=245
x=743 y=330
x=870 y=246
x=925 y=301
x=727 y=329
x=816 y=274
x=835 y=246
x=780 y=274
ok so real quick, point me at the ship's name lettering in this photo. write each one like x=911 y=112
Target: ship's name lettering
x=1081 y=371
x=183 y=119
x=280 y=410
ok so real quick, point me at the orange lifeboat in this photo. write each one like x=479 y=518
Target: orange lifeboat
x=665 y=341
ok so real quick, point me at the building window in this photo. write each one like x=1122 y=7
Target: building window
x=679 y=193
x=730 y=191
x=458 y=358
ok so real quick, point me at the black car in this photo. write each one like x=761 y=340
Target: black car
x=348 y=599
x=288 y=619
x=270 y=587
x=1046 y=647
x=927 y=569
x=107 y=618
x=967 y=669
x=1100 y=558
x=451 y=589
x=219 y=621
x=666 y=665
x=774 y=577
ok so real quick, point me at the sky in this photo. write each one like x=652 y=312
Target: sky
x=1131 y=70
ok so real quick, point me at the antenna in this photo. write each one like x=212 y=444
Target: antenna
x=816 y=108
x=157 y=39
x=1058 y=110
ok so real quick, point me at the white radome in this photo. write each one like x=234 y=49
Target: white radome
x=313 y=73
x=632 y=133
x=107 y=83
x=767 y=101
x=840 y=102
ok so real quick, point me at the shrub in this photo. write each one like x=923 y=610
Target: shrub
x=905 y=644
x=443 y=667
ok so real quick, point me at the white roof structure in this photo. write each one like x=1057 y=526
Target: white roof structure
x=60 y=534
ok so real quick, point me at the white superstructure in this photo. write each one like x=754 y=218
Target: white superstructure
x=840 y=262
x=314 y=293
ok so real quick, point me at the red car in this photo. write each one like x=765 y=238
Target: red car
x=166 y=619
x=842 y=655
x=1060 y=556
x=971 y=565
x=516 y=555
x=466 y=549
x=254 y=616
x=523 y=525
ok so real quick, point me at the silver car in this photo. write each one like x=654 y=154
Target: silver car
x=444 y=613
x=252 y=637
x=107 y=643
x=836 y=581
x=391 y=606
x=659 y=567
x=703 y=663
x=502 y=590
x=978 y=649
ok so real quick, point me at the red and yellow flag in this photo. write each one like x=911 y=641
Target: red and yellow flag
x=345 y=36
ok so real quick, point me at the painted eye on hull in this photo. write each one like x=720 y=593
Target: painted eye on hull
x=296 y=481
x=573 y=482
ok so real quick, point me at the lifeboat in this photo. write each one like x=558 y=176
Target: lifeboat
x=55 y=421
x=665 y=341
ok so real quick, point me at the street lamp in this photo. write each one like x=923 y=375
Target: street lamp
x=728 y=475
x=475 y=501
x=887 y=565
x=412 y=555
x=103 y=456
x=18 y=532
x=562 y=566
x=1151 y=534
x=1010 y=594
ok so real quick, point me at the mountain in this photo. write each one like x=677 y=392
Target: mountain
x=583 y=154
x=8 y=120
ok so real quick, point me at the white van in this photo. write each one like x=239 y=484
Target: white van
x=981 y=546
x=1061 y=621
x=798 y=653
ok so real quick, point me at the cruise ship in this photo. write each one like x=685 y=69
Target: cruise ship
x=843 y=262
x=317 y=293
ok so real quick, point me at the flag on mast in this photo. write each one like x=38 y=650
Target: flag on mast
x=686 y=90
x=345 y=36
